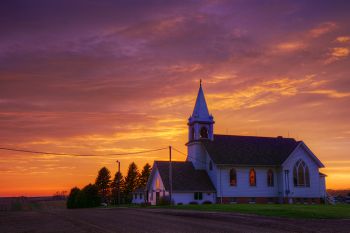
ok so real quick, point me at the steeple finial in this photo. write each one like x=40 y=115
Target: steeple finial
x=200 y=82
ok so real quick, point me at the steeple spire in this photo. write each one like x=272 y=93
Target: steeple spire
x=200 y=110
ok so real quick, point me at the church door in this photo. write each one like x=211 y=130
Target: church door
x=157 y=198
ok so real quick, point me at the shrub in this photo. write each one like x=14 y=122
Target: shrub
x=72 y=198
x=85 y=198
x=165 y=200
x=193 y=203
x=207 y=202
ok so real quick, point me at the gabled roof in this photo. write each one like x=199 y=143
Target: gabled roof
x=249 y=150
x=185 y=177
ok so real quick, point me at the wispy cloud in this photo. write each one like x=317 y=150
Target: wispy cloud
x=322 y=29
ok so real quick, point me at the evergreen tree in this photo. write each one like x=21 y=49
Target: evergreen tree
x=145 y=173
x=103 y=182
x=72 y=198
x=90 y=195
x=118 y=188
x=131 y=181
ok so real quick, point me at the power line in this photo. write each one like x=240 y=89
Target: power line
x=84 y=155
x=200 y=161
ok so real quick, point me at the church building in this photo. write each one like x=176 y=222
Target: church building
x=237 y=169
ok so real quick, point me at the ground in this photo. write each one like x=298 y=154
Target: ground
x=339 y=211
x=157 y=220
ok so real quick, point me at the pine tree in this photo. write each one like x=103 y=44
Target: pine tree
x=131 y=181
x=72 y=198
x=118 y=183
x=146 y=171
x=103 y=182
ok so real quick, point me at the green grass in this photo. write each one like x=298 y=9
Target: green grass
x=279 y=210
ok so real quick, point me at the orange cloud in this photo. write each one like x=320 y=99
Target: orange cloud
x=340 y=52
x=336 y=54
x=291 y=46
x=322 y=29
x=343 y=39
x=330 y=93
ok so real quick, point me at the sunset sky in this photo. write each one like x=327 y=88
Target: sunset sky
x=102 y=77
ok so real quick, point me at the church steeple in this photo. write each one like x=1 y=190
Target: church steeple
x=200 y=110
x=201 y=122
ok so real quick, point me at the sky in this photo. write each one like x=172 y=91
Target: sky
x=102 y=77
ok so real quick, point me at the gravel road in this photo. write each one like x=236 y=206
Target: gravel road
x=156 y=220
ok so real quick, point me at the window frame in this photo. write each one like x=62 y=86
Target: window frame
x=270 y=178
x=301 y=174
x=198 y=196
x=252 y=171
x=233 y=177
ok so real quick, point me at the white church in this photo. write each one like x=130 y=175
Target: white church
x=237 y=169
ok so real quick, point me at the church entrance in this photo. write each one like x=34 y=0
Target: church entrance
x=157 y=198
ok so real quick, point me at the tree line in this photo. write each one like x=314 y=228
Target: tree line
x=109 y=191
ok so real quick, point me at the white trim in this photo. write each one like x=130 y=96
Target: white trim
x=309 y=152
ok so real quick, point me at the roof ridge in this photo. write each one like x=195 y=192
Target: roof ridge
x=251 y=136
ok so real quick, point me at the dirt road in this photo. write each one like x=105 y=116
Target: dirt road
x=156 y=220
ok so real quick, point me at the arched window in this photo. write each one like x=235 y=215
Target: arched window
x=301 y=176
x=210 y=165
x=270 y=177
x=252 y=177
x=233 y=177
x=204 y=132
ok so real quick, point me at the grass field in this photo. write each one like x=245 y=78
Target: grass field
x=290 y=211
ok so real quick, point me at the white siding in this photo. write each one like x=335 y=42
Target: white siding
x=243 y=189
x=138 y=199
x=197 y=155
x=323 y=187
x=154 y=189
x=187 y=198
x=309 y=192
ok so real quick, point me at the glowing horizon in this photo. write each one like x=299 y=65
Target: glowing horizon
x=90 y=78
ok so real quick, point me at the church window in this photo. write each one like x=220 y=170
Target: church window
x=233 y=177
x=270 y=178
x=210 y=165
x=252 y=177
x=157 y=183
x=198 y=195
x=301 y=175
x=204 y=132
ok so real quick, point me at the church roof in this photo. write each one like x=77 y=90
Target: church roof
x=200 y=110
x=185 y=177
x=249 y=150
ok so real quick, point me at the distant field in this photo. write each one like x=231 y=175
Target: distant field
x=290 y=211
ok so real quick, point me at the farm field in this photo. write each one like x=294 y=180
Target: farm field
x=54 y=218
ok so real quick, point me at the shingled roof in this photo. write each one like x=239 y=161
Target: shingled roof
x=185 y=177
x=249 y=150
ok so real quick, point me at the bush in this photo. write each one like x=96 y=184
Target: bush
x=86 y=198
x=207 y=202
x=72 y=198
x=165 y=200
x=193 y=203
x=180 y=203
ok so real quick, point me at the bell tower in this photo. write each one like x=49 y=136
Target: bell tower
x=200 y=128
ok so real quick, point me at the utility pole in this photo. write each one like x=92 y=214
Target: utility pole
x=170 y=176
x=118 y=182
